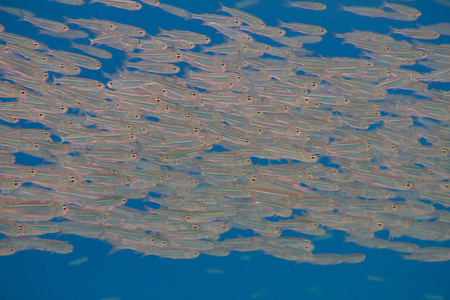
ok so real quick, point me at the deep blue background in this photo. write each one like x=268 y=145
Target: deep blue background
x=127 y=276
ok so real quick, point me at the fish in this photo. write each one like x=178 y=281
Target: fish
x=172 y=143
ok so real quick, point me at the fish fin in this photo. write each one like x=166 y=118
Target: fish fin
x=148 y=209
x=113 y=250
x=392 y=30
x=287 y=4
x=280 y=23
x=161 y=31
x=221 y=7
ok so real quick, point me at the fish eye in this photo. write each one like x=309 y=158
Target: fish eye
x=444 y=151
x=236 y=21
x=32 y=171
x=72 y=180
x=133 y=155
x=394 y=206
x=98 y=64
x=178 y=56
x=204 y=206
x=380 y=224
x=188 y=217
x=322 y=30
x=128 y=179
x=124 y=200
x=408 y=184
x=222 y=63
x=141 y=31
x=35 y=44
x=15 y=183
x=64 y=207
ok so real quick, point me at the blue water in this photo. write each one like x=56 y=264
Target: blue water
x=253 y=275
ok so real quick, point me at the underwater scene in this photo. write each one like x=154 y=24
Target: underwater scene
x=249 y=149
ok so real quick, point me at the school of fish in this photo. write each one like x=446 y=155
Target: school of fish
x=188 y=140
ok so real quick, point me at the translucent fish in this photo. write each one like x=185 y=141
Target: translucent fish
x=94 y=51
x=218 y=19
x=124 y=4
x=16 y=11
x=307 y=5
x=177 y=11
x=47 y=24
x=404 y=9
x=243 y=16
x=304 y=28
x=419 y=33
